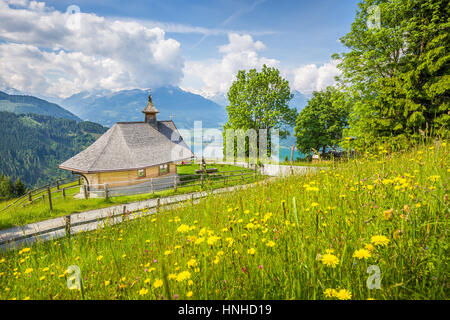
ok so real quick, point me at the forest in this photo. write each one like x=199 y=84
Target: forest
x=34 y=145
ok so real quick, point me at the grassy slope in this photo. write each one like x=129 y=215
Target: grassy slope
x=40 y=210
x=222 y=244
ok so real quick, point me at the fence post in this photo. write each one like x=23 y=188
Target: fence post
x=158 y=204
x=67 y=221
x=85 y=191
x=50 y=198
x=29 y=196
x=151 y=184
x=79 y=181
x=242 y=175
x=175 y=183
x=202 y=179
x=106 y=191
x=57 y=184
x=63 y=193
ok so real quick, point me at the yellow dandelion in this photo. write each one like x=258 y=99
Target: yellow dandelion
x=251 y=251
x=189 y=294
x=183 y=228
x=379 y=240
x=158 y=283
x=212 y=239
x=270 y=244
x=28 y=270
x=362 y=254
x=107 y=283
x=99 y=258
x=330 y=260
x=143 y=292
x=184 y=275
x=192 y=263
x=330 y=292
x=344 y=294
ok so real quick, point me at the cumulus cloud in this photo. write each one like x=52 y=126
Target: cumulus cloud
x=311 y=77
x=214 y=77
x=47 y=51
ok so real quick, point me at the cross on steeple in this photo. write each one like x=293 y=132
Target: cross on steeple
x=150 y=111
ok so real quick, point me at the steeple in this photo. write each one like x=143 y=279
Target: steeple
x=150 y=111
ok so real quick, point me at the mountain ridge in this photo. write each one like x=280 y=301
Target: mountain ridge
x=25 y=104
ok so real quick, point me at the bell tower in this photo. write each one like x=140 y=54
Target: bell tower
x=150 y=112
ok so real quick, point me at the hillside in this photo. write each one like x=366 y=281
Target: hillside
x=22 y=104
x=107 y=108
x=33 y=145
x=384 y=212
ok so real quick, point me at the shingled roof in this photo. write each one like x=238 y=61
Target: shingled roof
x=131 y=146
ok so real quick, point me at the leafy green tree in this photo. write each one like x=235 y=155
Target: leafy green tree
x=319 y=125
x=259 y=100
x=398 y=74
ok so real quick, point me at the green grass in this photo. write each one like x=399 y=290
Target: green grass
x=254 y=244
x=40 y=210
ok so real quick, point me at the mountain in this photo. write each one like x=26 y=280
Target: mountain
x=299 y=100
x=32 y=146
x=22 y=104
x=107 y=108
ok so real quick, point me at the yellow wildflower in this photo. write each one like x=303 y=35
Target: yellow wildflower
x=362 y=254
x=379 y=240
x=143 y=291
x=330 y=260
x=158 y=283
x=344 y=294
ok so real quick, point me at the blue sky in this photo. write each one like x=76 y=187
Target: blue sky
x=298 y=31
x=202 y=41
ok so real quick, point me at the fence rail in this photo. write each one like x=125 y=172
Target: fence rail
x=37 y=193
x=57 y=190
x=66 y=223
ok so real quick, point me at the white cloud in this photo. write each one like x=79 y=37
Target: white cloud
x=214 y=77
x=44 y=53
x=311 y=77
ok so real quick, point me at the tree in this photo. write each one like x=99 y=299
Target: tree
x=6 y=188
x=259 y=100
x=398 y=74
x=19 y=188
x=319 y=125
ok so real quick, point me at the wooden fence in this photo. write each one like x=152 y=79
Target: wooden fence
x=66 y=224
x=175 y=182
x=41 y=193
x=58 y=189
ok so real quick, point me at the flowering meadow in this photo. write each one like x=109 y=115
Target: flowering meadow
x=370 y=228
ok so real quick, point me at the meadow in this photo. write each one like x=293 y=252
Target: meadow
x=311 y=236
x=40 y=210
